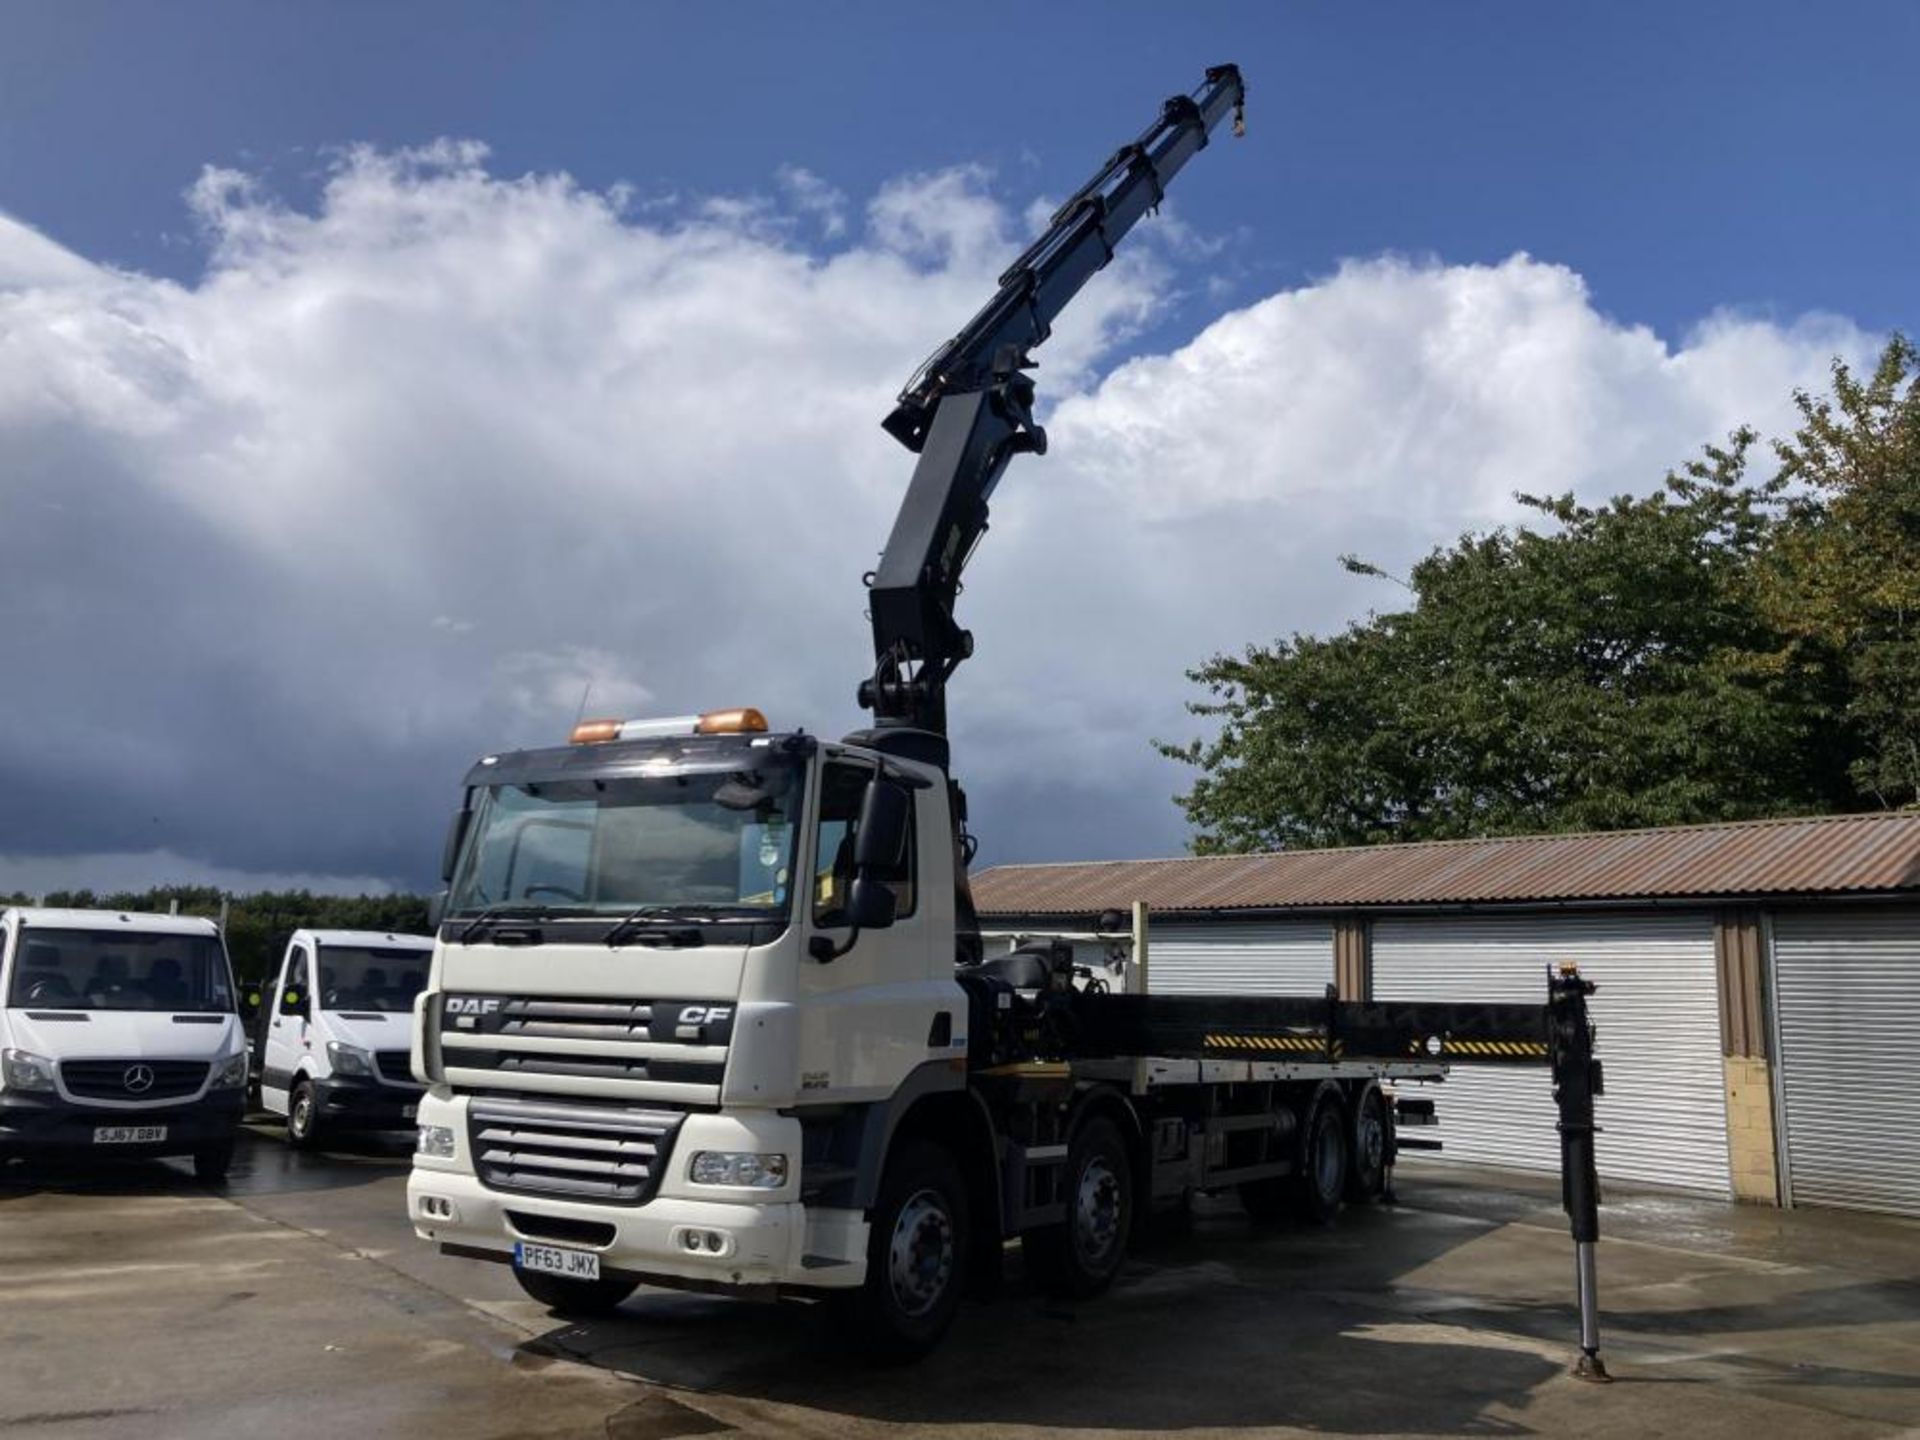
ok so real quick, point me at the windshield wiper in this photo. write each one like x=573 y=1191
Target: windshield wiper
x=501 y=910
x=679 y=919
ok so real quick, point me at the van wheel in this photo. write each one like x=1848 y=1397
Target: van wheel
x=211 y=1164
x=916 y=1256
x=576 y=1299
x=303 y=1116
x=1081 y=1258
x=1372 y=1133
x=1321 y=1183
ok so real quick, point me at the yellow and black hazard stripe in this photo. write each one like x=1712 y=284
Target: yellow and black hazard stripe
x=1487 y=1049
x=1281 y=1044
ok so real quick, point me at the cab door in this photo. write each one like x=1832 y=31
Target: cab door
x=289 y=1028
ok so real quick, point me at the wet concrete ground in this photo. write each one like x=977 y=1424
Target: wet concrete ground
x=135 y=1303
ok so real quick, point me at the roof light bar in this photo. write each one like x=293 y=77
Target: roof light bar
x=745 y=721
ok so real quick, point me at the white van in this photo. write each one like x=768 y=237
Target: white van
x=118 y=1036
x=337 y=1026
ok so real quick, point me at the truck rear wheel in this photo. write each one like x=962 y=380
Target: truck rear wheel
x=1080 y=1258
x=576 y=1299
x=1321 y=1183
x=916 y=1256
x=1367 y=1175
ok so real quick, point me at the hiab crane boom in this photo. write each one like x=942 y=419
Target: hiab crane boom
x=744 y=1059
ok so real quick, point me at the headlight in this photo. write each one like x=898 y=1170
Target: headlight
x=435 y=1140
x=232 y=1073
x=349 y=1059
x=738 y=1167
x=24 y=1071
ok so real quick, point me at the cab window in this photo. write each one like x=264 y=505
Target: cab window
x=297 y=983
x=843 y=785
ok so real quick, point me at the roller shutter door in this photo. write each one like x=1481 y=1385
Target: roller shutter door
x=1291 y=958
x=1847 y=995
x=1663 y=1117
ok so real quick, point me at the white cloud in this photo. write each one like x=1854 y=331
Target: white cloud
x=401 y=477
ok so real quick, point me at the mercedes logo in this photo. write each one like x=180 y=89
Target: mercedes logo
x=138 y=1079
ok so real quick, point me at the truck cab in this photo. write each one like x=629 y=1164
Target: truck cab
x=336 y=1025
x=687 y=972
x=119 y=1036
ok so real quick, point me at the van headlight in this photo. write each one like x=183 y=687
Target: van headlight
x=232 y=1072
x=746 y=1168
x=349 y=1059
x=26 y=1071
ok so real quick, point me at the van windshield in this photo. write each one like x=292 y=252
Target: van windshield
x=358 y=977
x=606 y=845
x=119 y=970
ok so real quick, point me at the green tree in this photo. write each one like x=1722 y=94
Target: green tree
x=1843 y=585
x=1608 y=669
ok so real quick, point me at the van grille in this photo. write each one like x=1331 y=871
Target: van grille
x=593 y=1152
x=107 y=1079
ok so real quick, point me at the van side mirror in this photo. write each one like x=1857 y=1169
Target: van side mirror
x=870 y=903
x=292 y=1002
x=881 y=842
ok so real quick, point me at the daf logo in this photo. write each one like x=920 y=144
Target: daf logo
x=138 y=1079
x=472 y=1004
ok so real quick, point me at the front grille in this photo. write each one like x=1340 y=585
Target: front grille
x=592 y=1152
x=599 y=1067
x=577 y=1019
x=395 y=1066
x=108 y=1079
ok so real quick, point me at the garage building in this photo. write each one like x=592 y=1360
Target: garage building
x=1759 y=1000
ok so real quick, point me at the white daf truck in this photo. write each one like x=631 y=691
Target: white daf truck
x=336 y=1030
x=708 y=1005
x=119 y=1036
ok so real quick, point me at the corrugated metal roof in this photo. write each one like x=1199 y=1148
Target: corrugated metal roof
x=1829 y=854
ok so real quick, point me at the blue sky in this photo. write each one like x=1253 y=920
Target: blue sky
x=330 y=468
x=1680 y=157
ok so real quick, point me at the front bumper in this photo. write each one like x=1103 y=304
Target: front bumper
x=354 y=1103
x=766 y=1243
x=41 y=1123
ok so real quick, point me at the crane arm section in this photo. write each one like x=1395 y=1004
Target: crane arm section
x=969 y=410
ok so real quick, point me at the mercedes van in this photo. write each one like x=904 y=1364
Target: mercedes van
x=118 y=1036
x=337 y=1027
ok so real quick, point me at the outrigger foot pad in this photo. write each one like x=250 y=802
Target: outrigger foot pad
x=1591 y=1368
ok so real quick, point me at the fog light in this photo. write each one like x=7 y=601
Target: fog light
x=435 y=1140
x=715 y=1243
x=747 y=1169
x=691 y=1239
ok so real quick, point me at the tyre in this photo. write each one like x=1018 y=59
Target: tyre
x=212 y=1162
x=1320 y=1184
x=303 y=1116
x=1081 y=1258
x=1372 y=1134
x=916 y=1256
x=576 y=1299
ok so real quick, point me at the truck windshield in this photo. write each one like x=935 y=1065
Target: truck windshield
x=720 y=840
x=356 y=977
x=119 y=970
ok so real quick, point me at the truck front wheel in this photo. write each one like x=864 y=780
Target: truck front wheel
x=1081 y=1258
x=575 y=1299
x=916 y=1255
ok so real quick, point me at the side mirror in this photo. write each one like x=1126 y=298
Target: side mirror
x=882 y=838
x=292 y=1002
x=450 y=852
x=870 y=903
